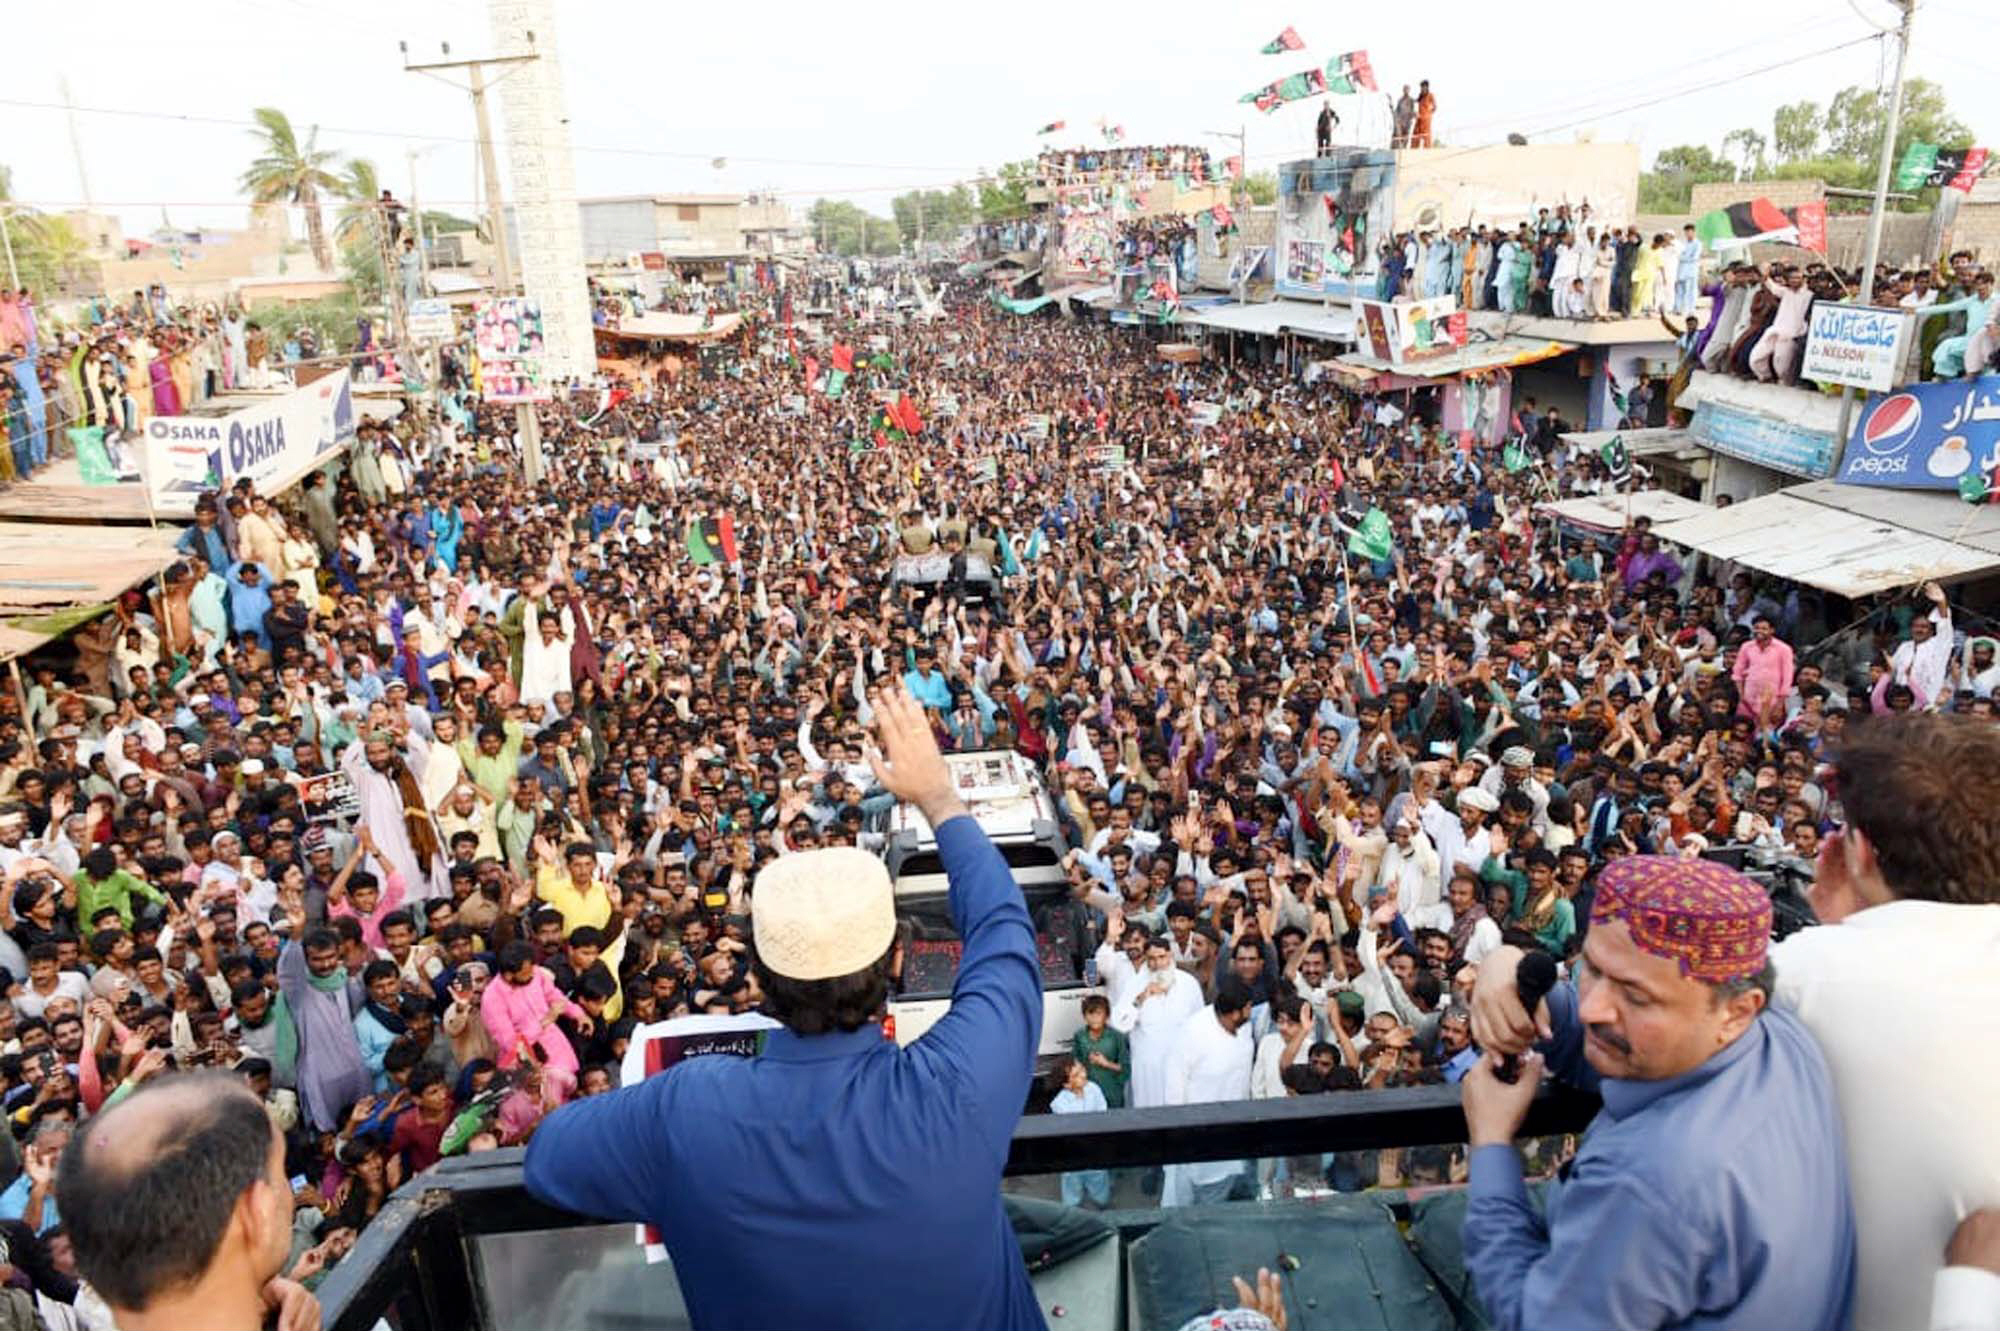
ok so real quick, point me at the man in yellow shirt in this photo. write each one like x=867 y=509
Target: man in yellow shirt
x=573 y=886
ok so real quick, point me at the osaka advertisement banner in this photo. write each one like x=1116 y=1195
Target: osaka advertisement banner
x=273 y=443
x=1926 y=436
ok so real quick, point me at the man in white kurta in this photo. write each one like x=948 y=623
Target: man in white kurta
x=1152 y=1016
x=370 y=766
x=1210 y=1063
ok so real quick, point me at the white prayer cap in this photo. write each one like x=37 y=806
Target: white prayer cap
x=822 y=914
x=1472 y=797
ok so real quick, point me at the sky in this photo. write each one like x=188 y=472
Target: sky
x=807 y=100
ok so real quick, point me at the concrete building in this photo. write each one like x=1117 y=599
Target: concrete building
x=687 y=233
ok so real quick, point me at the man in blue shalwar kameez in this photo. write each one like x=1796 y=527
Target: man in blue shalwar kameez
x=1712 y=1190
x=835 y=1180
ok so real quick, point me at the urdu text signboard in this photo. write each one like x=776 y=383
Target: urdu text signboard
x=1860 y=346
x=1926 y=436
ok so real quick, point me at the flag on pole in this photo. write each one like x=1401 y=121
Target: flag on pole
x=1927 y=165
x=1350 y=73
x=1616 y=460
x=1051 y=127
x=1514 y=458
x=1762 y=220
x=1288 y=40
x=836 y=383
x=843 y=357
x=1372 y=539
x=712 y=539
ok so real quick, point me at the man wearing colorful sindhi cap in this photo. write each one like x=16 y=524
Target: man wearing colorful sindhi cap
x=1711 y=1191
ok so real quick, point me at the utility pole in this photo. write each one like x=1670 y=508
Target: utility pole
x=527 y=423
x=76 y=146
x=1873 y=249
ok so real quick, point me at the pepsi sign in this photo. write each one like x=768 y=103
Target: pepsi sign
x=1926 y=436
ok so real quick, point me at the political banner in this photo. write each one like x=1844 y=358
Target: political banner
x=432 y=320
x=985 y=471
x=1106 y=458
x=329 y=798
x=1406 y=330
x=1857 y=345
x=1205 y=414
x=659 y=1045
x=513 y=363
x=1926 y=436
x=273 y=443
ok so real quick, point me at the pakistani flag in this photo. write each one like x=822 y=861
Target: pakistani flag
x=1050 y=128
x=1372 y=540
x=1616 y=460
x=1288 y=40
x=1514 y=458
x=836 y=382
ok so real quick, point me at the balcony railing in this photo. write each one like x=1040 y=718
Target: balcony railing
x=418 y=1263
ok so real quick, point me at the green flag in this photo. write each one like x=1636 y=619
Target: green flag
x=1972 y=488
x=1616 y=460
x=1293 y=88
x=1372 y=540
x=698 y=547
x=836 y=383
x=1514 y=458
x=1919 y=160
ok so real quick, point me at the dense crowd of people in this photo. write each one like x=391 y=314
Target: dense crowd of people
x=408 y=795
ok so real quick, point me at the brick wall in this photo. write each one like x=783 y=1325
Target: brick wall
x=1977 y=228
x=1783 y=193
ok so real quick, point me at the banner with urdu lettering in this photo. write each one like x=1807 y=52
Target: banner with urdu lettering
x=1926 y=436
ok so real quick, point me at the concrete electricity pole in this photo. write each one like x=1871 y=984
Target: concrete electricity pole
x=527 y=423
x=1873 y=249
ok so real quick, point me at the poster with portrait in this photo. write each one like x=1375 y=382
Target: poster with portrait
x=513 y=362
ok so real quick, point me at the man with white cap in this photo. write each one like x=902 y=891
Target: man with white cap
x=833 y=1146
x=1458 y=838
x=1516 y=771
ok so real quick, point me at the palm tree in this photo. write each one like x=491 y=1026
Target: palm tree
x=292 y=172
x=361 y=188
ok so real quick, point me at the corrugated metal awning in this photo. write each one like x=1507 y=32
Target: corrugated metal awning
x=1278 y=316
x=1609 y=512
x=1638 y=443
x=1848 y=554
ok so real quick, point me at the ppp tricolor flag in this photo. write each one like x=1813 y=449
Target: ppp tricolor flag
x=1288 y=40
x=1762 y=220
x=712 y=540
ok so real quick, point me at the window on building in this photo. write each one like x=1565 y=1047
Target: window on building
x=688 y=212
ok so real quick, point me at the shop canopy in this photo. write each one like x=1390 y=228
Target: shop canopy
x=54 y=576
x=1278 y=316
x=1609 y=512
x=1849 y=540
x=657 y=327
x=1506 y=352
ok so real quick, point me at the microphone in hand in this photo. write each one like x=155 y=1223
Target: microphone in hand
x=1533 y=979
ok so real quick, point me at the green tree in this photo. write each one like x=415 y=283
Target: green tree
x=361 y=189
x=1795 y=131
x=943 y=212
x=287 y=170
x=1669 y=186
x=1004 y=197
x=1750 y=145
x=1261 y=187
x=1855 y=118
x=49 y=253
x=845 y=229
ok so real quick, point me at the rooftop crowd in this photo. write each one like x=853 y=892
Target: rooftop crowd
x=409 y=794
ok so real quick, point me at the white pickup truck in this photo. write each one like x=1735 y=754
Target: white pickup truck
x=1007 y=799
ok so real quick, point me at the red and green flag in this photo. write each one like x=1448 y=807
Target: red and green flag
x=1288 y=40
x=1052 y=127
x=843 y=358
x=1350 y=73
x=1762 y=220
x=904 y=416
x=712 y=540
